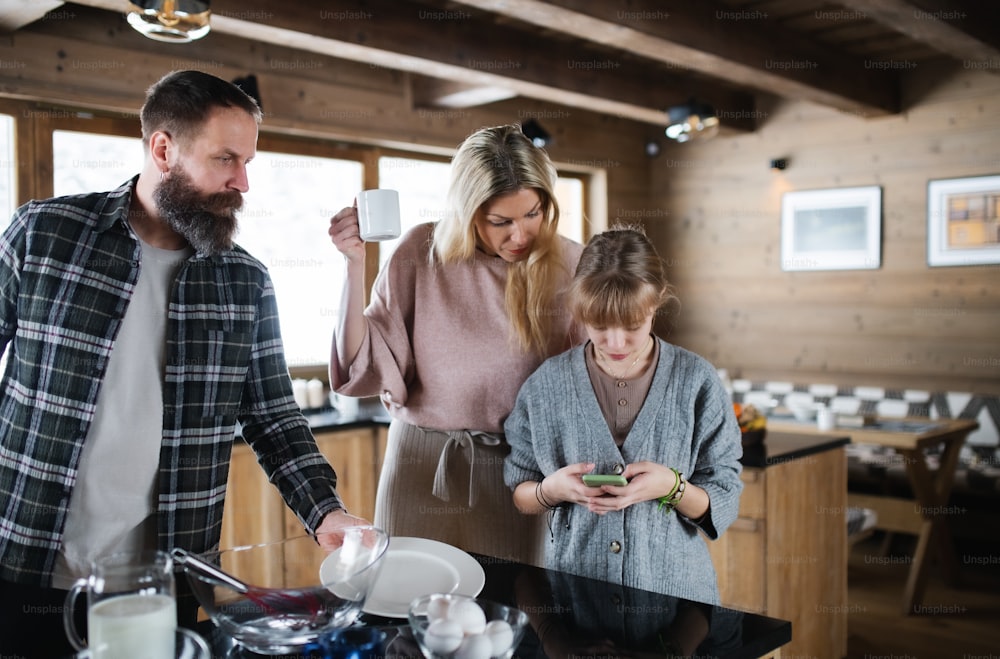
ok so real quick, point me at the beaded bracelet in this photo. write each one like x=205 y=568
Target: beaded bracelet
x=670 y=501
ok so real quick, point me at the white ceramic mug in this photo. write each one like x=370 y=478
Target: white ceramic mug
x=347 y=406
x=378 y=214
x=825 y=418
x=131 y=607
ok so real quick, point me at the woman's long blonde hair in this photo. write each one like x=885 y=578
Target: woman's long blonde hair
x=489 y=163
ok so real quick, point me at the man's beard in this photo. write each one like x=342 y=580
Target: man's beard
x=207 y=221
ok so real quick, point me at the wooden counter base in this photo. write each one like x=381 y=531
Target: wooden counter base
x=786 y=554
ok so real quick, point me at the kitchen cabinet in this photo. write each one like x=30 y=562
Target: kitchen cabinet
x=254 y=511
x=786 y=554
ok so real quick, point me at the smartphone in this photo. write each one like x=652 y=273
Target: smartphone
x=594 y=480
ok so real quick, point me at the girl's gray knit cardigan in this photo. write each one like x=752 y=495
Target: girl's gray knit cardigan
x=687 y=422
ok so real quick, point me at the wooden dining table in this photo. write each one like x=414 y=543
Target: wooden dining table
x=927 y=513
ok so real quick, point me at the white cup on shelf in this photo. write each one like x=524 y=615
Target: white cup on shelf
x=300 y=390
x=825 y=418
x=315 y=393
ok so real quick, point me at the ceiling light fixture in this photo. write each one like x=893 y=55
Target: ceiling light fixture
x=534 y=132
x=172 y=21
x=691 y=121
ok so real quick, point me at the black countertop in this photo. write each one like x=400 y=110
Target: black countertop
x=776 y=448
x=328 y=419
x=574 y=615
x=779 y=447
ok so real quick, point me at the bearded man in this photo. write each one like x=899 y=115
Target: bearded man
x=137 y=336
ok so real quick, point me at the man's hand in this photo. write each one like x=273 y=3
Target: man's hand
x=326 y=531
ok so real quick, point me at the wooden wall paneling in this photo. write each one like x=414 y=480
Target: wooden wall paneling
x=904 y=323
x=41 y=150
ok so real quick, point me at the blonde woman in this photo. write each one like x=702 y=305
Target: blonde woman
x=627 y=404
x=465 y=309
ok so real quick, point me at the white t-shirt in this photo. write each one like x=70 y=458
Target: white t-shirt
x=114 y=500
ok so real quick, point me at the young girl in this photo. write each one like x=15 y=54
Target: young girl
x=626 y=403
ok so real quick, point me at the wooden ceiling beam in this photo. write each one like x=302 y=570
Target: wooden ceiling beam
x=964 y=31
x=471 y=52
x=435 y=92
x=699 y=37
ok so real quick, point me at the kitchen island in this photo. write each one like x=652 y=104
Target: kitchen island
x=569 y=614
x=791 y=528
x=786 y=553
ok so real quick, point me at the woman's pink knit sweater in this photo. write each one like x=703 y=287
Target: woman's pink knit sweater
x=438 y=350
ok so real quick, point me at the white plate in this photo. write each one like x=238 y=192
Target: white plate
x=416 y=566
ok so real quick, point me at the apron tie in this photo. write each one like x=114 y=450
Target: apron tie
x=458 y=440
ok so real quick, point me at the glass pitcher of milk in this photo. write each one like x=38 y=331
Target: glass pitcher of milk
x=131 y=607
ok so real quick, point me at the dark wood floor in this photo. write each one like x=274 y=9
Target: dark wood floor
x=961 y=622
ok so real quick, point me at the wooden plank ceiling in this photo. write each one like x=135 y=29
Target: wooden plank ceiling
x=631 y=59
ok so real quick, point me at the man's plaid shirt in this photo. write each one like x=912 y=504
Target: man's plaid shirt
x=68 y=268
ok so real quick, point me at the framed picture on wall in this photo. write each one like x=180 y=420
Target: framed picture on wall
x=835 y=229
x=963 y=221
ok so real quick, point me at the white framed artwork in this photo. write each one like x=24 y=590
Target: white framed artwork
x=835 y=229
x=963 y=221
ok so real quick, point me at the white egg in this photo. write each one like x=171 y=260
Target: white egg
x=437 y=607
x=443 y=636
x=476 y=646
x=469 y=615
x=501 y=636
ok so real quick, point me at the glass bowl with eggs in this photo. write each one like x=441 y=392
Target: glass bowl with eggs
x=461 y=627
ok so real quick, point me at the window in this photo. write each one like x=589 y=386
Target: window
x=569 y=194
x=8 y=166
x=286 y=214
x=283 y=223
x=422 y=187
x=89 y=162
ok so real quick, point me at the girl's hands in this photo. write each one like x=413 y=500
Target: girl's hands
x=346 y=235
x=564 y=485
x=646 y=481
